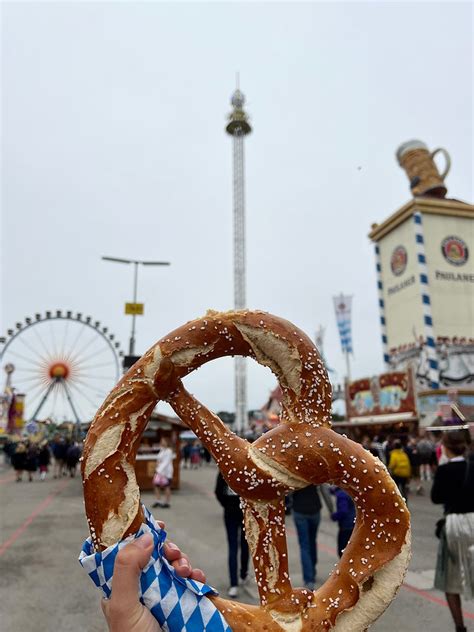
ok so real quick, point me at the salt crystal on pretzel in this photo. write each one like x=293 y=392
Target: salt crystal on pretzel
x=301 y=450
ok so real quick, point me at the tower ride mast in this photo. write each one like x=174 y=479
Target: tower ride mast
x=238 y=127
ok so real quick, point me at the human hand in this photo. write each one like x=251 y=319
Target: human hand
x=123 y=611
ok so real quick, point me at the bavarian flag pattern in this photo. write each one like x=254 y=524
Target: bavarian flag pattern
x=178 y=604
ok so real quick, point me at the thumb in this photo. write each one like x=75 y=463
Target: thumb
x=128 y=565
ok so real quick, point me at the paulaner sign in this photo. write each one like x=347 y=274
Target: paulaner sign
x=400 y=286
x=454 y=276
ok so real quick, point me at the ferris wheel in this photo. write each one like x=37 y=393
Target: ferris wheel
x=64 y=364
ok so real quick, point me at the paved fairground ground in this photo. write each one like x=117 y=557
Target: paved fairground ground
x=43 y=588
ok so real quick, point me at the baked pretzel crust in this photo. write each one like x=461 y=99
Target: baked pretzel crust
x=301 y=450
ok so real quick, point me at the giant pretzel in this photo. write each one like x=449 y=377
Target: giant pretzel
x=301 y=450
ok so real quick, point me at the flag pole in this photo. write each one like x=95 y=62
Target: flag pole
x=348 y=366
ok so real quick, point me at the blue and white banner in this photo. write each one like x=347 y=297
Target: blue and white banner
x=343 y=306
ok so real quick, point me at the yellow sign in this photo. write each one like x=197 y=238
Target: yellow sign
x=135 y=309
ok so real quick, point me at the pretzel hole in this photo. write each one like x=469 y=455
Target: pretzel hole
x=217 y=376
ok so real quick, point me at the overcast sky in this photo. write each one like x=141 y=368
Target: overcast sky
x=113 y=144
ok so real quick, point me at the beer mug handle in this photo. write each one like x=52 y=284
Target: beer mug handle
x=447 y=159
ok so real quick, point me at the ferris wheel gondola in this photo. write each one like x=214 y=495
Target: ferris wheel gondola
x=64 y=363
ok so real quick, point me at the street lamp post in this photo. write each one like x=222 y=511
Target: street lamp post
x=136 y=263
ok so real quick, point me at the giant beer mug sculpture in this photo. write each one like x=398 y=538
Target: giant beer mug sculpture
x=418 y=162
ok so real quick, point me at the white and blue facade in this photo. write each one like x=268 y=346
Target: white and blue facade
x=425 y=287
x=429 y=335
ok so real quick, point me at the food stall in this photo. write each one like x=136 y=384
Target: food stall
x=388 y=404
x=383 y=404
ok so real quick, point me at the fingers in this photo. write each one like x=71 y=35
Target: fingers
x=198 y=575
x=172 y=552
x=128 y=564
x=183 y=567
x=181 y=564
x=179 y=560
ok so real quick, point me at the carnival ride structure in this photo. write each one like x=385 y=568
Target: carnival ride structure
x=64 y=363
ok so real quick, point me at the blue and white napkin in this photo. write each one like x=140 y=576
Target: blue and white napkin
x=178 y=604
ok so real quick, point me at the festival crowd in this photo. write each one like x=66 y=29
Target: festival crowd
x=32 y=458
x=441 y=465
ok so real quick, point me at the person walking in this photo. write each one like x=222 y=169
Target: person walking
x=399 y=467
x=59 y=449
x=196 y=455
x=377 y=449
x=44 y=459
x=345 y=516
x=18 y=459
x=206 y=455
x=73 y=455
x=414 y=458
x=9 y=450
x=306 y=507
x=186 y=454
x=163 y=474
x=234 y=526
x=31 y=464
x=453 y=487
x=427 y=452
x=388 y=447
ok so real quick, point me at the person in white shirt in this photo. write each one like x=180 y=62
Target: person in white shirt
x=163 y=474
